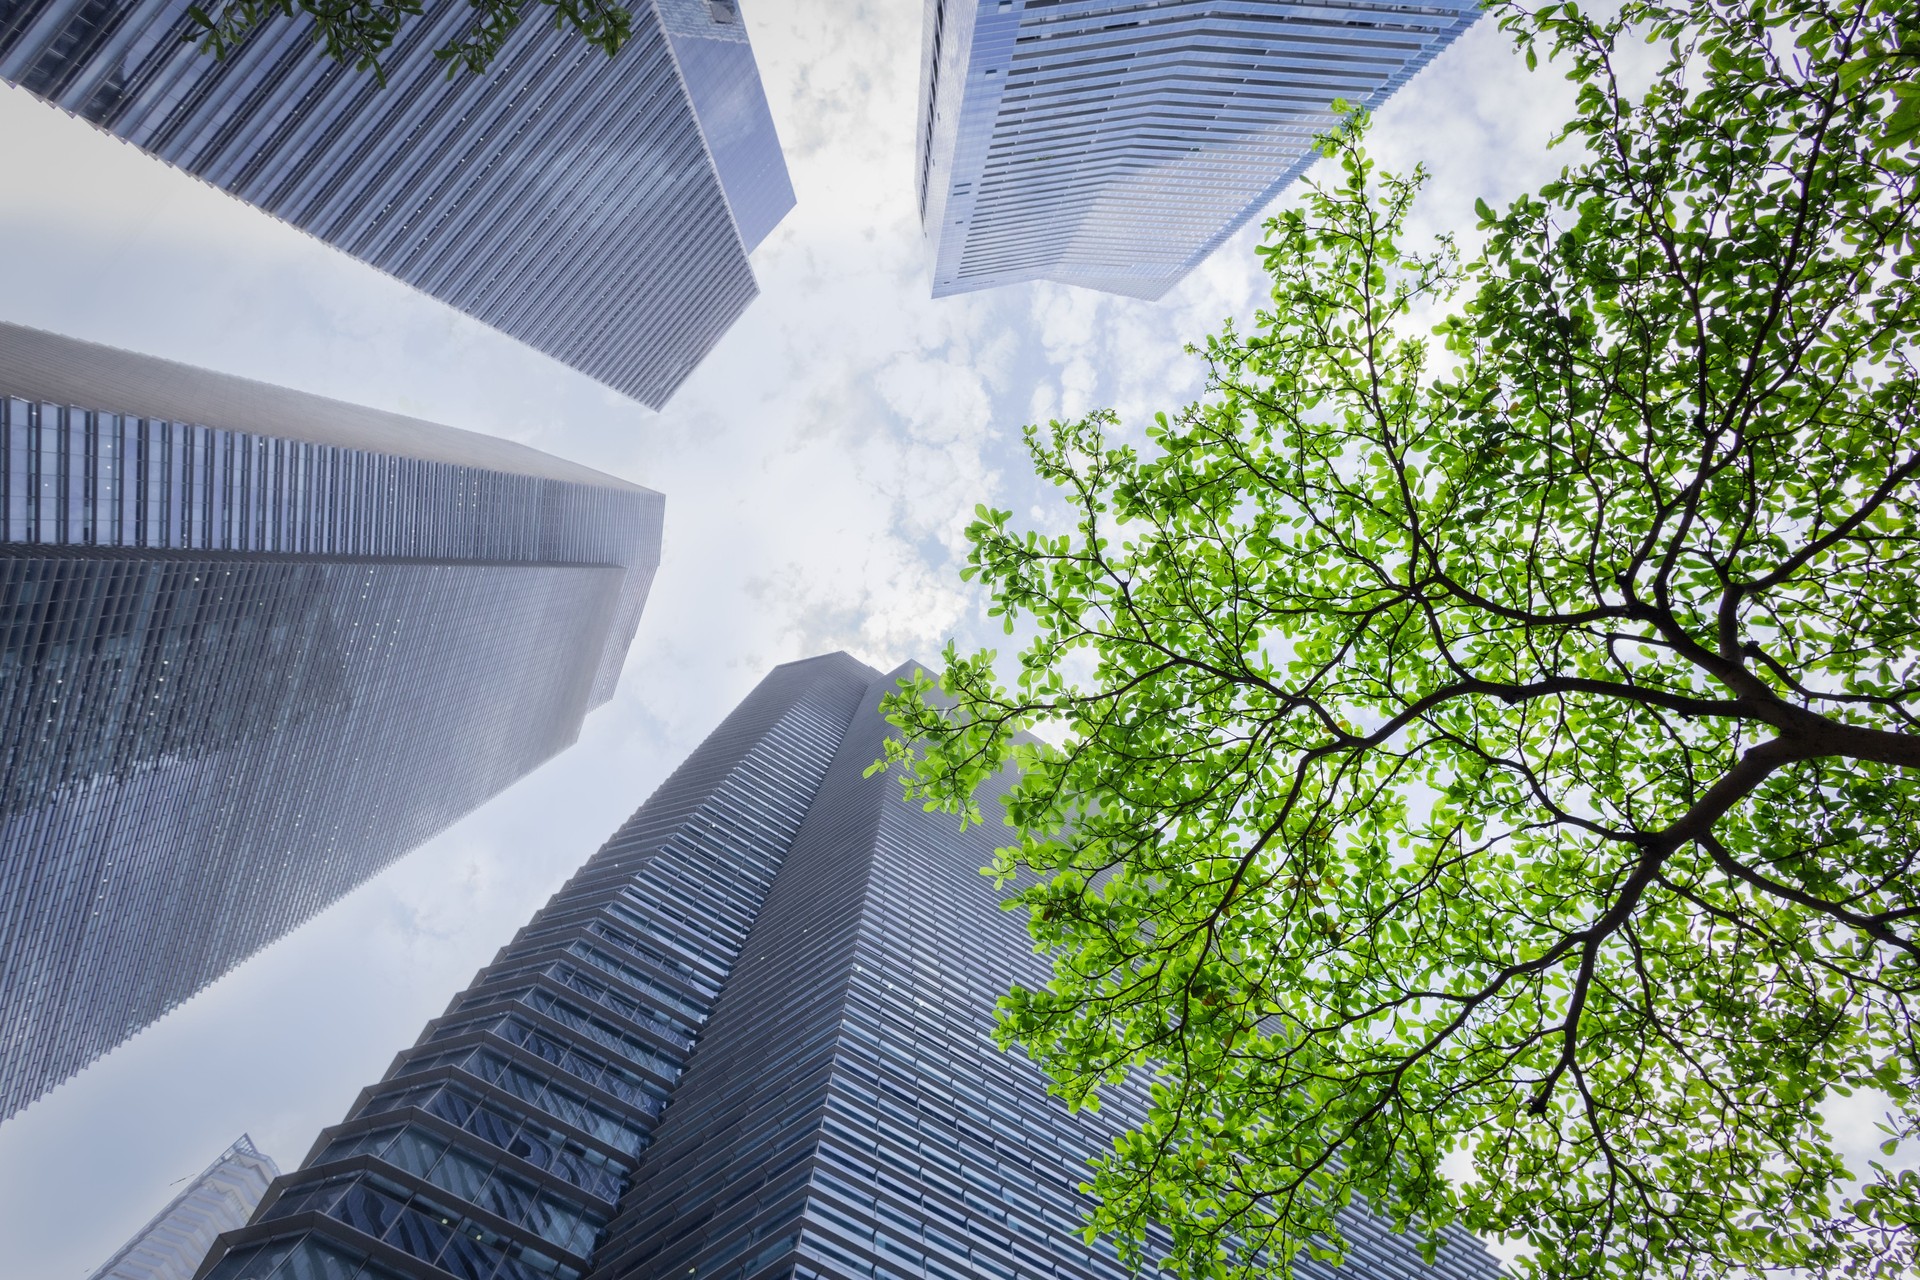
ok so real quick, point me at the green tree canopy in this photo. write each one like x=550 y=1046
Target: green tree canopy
x=1503 y=748
x=361 y=31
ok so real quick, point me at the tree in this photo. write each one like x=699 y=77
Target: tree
x=1503 y=750
x=360 y=31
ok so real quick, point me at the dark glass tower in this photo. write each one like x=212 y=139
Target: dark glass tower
x=598 y=209
x=835 y=956
x=254 y=646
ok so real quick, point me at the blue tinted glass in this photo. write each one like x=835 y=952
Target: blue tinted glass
x=366 y=1209
x=469 y=1259
x=461 y=1174
x=315 y=1259
x=420 y=1234
x=256 y=1263
x=415 y=1150
x=449 y=1106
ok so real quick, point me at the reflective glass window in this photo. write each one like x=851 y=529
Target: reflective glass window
x=367 y=1210
x=314 y=1259
x=506 y=1196
x=460 y=1174
x=256 y=1263
x=415 y=1151
x=420 y=1234
x=468 y=1258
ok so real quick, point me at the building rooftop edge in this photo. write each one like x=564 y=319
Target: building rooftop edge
x=240 y=1148
x=50 y=367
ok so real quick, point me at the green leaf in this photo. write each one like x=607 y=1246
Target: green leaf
x=1506 y=758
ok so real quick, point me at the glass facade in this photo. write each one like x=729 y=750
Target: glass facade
x=836 y=957
x=1114 y=144
x=717 y=65
x=240 y=672
x=172 y=1245
x=502 y=1143
x=598 y=209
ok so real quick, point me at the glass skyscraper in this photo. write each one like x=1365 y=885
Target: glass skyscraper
x=254 y=646
x=598 y=209
x=749 y=1039
x=1113 y=144
x=173 y=1244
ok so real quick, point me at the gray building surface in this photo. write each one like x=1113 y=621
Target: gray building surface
x=172 y=1245
x=598 y=209
x=1114 y=144
x=749 y=1039
x=254 y=646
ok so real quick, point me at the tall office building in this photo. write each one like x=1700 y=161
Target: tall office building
x=1113 y=144
x=173 y=1244
x=254 y=646
x=749 y=1039
x=598 y=209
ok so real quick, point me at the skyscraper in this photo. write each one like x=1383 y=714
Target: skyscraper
x=254 y=646
x=172 y=1245
x=598 y=209
x=749 y=1039
x=1113 y=144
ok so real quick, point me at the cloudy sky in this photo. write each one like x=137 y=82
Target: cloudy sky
x=818 y=468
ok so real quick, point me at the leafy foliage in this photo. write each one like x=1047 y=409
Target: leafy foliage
x=361 y=31
x=1506 y=749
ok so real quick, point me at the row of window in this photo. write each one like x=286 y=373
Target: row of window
x=424 y=1227
x=601 y=1033
x=77 y=477
x=476 y=1179
x=621 y=1133
x=774 y=1239
x=529 y=1138
x=606 y=1077
x=936 y=1259
x=693 y=1011
x=685 y=933
x=530 y=939
x=987 y=1235
x=632 y=1010
x=305 y=1258
x=626 y=914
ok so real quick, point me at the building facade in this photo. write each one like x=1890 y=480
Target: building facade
x=598 y=209
x=1114 y=144
x=173 y=1244
x=749 y=1039
x=254 y=646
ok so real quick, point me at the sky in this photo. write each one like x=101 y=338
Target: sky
x=819 y=468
